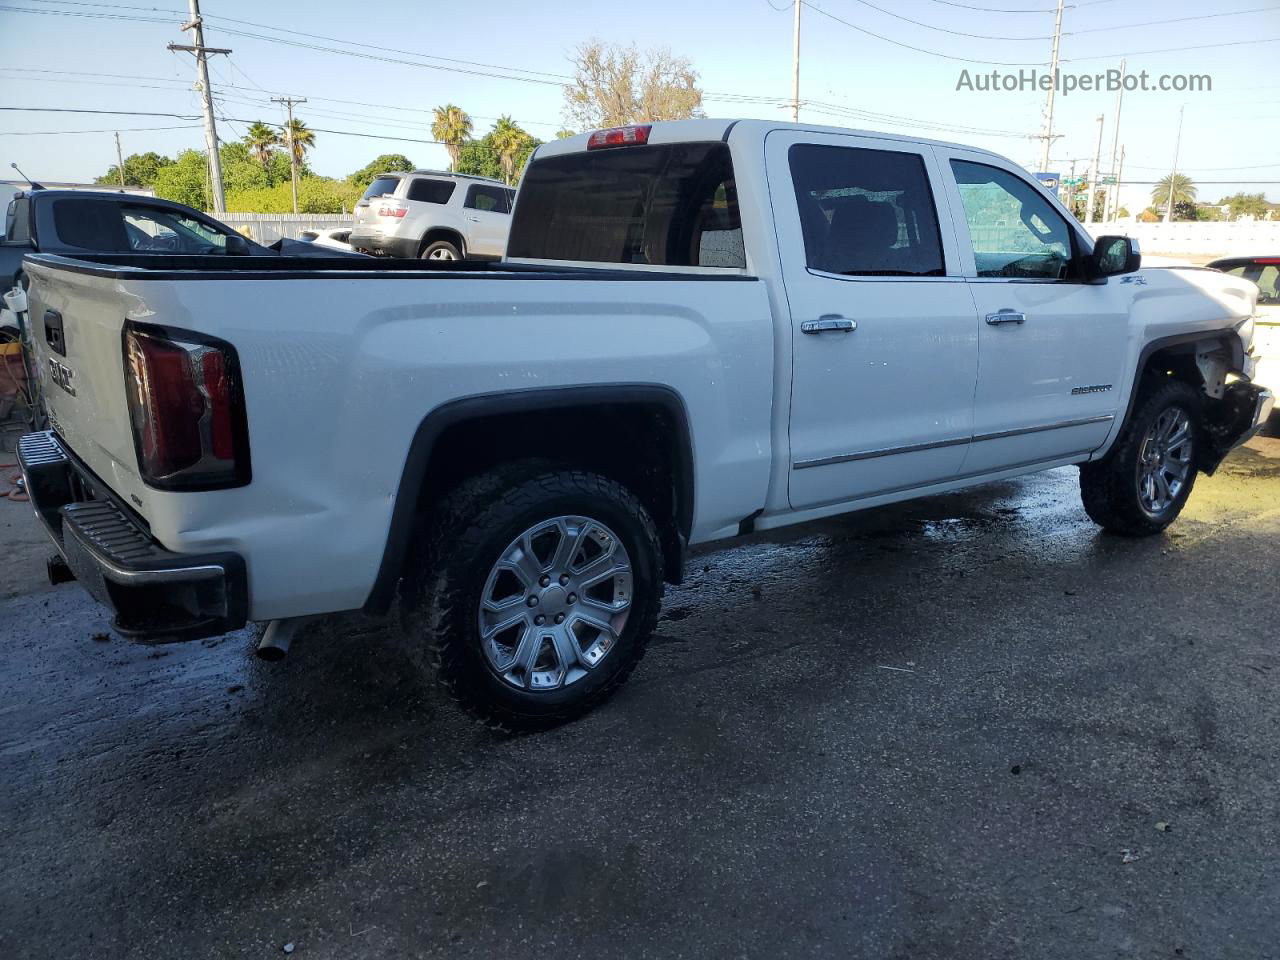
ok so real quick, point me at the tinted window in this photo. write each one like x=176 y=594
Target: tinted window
x=866 y=212
x=1264 y=275
x=672 y=205
x=431 y=191
x=154 y=230
x=381 y=186
x=90 y=223
x=492 y=199
x=17 y=221
x=1013 y=227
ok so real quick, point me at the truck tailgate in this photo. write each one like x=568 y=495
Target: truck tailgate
x=77 y=321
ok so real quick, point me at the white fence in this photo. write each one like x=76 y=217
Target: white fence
x=267 y=228
x=1200 y=241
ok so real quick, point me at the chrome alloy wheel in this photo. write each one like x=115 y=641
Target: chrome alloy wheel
x=441 y=253
x=555 y=603
x=1165 y=461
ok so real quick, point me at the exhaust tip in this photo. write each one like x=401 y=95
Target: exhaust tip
x=276 y=639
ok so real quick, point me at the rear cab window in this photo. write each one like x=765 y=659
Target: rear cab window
x=425 y=190
x=662 y=205
x=17 y=221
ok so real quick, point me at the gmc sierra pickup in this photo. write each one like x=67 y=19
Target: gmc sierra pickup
x=700 y=329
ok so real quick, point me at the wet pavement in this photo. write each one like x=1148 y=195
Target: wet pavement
x=968 y=727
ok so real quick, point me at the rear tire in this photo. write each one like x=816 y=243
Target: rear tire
x=440 y=250
x=1144 y=482
x=535 y=590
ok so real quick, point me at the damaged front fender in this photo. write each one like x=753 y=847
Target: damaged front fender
x=1233 y=420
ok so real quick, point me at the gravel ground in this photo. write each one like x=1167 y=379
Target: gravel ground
x=968 y=727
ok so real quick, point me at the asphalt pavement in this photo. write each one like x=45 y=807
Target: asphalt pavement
x=966 y=727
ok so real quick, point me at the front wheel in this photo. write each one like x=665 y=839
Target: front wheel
x=1144 y=482
x=535 y=592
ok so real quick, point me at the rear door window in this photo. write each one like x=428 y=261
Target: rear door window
x=90 y=223
x=668 y=205
x=488 y=199
x=431 y=191
x=1265 y=275
x=17 y=221
x=866 y=212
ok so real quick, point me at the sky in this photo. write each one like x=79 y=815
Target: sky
x=858 y=69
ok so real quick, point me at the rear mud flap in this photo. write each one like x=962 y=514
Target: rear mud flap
x=1233 y=420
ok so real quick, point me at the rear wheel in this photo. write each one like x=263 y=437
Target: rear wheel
x=441 y=250
x=535 y=592
x=1143 y=484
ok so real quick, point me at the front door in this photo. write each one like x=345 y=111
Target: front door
x=884 y=337
x=1052 y=346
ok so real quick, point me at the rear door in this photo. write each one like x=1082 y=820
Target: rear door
x=487 y=212
x=1052 y=346
x=883 y=332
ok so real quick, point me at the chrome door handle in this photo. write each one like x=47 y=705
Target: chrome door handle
x=1006 y=316
x=829 y=321
x=474 y=219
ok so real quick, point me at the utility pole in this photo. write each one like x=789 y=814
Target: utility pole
x=795 y=66
x=1093 y=173
x=288 y=136
x=119 y=159
x=1119 y=172
x=1113 y=192
x=1173 y=174
x=1053 y=78
x=201 y=52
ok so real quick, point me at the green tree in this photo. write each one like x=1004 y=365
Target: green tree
x=382 y=164
x=564 y=133
x=481 y=158
x=140 y=170
x=1239 y=204
x=452 y=127
x=315 y=195
x=615 y=85
x=302 y=138
x=509 y=140
x=261 y=138
x=186 y=180
x=1184 y=191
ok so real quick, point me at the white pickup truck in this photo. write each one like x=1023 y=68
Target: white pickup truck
x=701 y=329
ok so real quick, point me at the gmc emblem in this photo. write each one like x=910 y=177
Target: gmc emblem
x=62 y=376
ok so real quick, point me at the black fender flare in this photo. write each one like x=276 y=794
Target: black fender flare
x=404 y=514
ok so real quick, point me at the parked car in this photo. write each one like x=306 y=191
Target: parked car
x=433 y=216
x=1265 y=272
x=702 y=329
x=77 y=222
x=334 y=238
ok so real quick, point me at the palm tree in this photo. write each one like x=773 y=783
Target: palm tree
x=302 y=138
x=508 y=140
x=1184 y=190
x=452 y=127
x=261 y=138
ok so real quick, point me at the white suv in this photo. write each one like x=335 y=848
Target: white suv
x=434 y=216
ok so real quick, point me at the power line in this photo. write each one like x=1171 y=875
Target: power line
x=954 y=33
x=1139 y=53
x=59 y=133
x=967 y=6
x=1161 y=23
x=907 y=46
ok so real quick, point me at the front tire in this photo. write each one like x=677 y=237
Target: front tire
x=535 y=592
x=1144 y=482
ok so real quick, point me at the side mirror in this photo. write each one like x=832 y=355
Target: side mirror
x=237 y=246
x=1112 y=256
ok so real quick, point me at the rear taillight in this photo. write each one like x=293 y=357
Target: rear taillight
x=632 y=136
x=392 y=211
x=187 y=409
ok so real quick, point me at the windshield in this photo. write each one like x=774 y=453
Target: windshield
x=672 y=205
